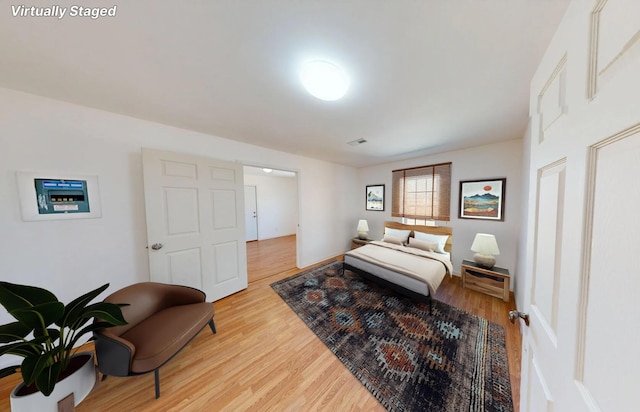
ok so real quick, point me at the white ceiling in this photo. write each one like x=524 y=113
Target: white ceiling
x=427 y=75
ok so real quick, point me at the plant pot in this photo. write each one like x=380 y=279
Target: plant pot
x=80 y=383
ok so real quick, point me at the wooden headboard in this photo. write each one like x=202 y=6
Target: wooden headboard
x=434 y=230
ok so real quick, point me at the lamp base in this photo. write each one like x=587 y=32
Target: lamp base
x=484 y=261
x=363 y=235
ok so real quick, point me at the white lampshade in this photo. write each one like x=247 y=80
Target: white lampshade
x=486 y=247
x=485 y=244
x=363 y=229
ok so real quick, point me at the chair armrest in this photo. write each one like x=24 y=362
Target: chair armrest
x=114 y=354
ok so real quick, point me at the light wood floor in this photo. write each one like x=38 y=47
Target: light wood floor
x=267 y=257
x=264 y=358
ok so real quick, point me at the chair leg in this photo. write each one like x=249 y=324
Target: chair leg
x=212 y=326
x=157 y=375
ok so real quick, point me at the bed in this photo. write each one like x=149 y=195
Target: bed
x=411 y=259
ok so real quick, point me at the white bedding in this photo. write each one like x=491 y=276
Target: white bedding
x=411 y=268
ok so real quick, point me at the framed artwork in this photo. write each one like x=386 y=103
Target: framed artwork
x=375 y=197
x=482 y=199
x=58 y=196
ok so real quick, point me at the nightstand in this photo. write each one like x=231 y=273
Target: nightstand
x=356 y=242
x=494 y=281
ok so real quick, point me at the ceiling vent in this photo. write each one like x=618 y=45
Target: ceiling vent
x=356 y=142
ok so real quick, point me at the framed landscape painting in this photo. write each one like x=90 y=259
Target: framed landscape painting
x=482 y=199
x=375 y=197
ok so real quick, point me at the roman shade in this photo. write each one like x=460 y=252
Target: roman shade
x=422 y=192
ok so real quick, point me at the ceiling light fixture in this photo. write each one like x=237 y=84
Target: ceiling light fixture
x=267 y=170
x=324 y=80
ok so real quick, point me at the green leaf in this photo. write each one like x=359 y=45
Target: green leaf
x=46 y=381
x=13 y=296
x=106 y=315
x=79 y=323
x=23 y=349
x=107 y=312
x=13 y=331
x=39 y=316
x=76 y=308
x=89 y=328
x=38 y=340
x=33 y=365
x=54 y=334
x=9 y=370
x=51 y=335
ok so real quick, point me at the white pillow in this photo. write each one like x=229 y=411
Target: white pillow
x=421 y=244
x=440 y=240
x=402 y=234
x=392 y=239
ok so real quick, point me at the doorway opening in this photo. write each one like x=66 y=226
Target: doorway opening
x=271 y=221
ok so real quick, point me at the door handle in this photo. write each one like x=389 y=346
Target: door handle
x=156 y=246
x=514 y=315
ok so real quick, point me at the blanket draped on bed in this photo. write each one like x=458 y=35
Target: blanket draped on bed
x=426 y=267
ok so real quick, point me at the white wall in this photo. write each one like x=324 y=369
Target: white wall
x=489 y=161
x=71 y=257
x=277 y=204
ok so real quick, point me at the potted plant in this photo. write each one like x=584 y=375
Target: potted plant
x=45 y=333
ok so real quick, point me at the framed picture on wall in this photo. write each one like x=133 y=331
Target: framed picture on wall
x=58 y=196
x=374 y=197
x=482 y=199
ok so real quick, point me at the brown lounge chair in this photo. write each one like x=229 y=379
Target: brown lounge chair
x=162 y=319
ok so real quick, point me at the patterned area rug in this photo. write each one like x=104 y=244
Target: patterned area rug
x=409 y=360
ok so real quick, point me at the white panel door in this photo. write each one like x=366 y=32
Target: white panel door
x=582 y=231
x=195 y=225
x=250 y=213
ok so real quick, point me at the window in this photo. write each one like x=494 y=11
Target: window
x=422 y=192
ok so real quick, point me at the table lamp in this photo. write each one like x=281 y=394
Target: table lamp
x=486 y=247
x=363 y=229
